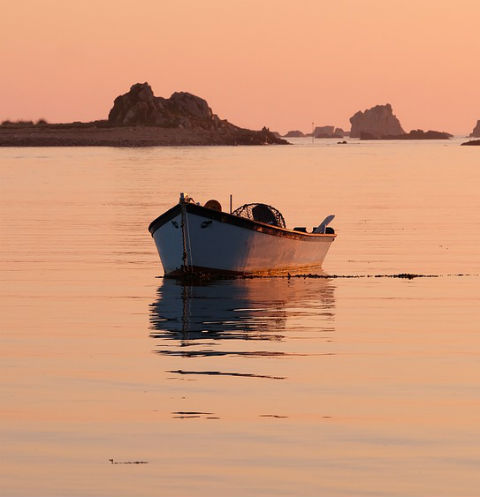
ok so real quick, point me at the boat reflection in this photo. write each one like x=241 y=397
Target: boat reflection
x=273 y=309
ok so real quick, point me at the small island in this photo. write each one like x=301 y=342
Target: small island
x=139 y=119
x=380 y=123
x=377 y=123
x=295 y=133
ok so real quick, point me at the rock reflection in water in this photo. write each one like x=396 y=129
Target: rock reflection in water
x=205 y=315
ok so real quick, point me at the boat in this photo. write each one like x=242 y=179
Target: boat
x=192 y=239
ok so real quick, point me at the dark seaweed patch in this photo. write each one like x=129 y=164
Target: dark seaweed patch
x=191 y=412
x=127 y=462
x=207 y=278
x=220 y=373
x=215 y=353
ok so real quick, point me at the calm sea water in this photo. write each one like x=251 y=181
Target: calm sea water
x=363 y=386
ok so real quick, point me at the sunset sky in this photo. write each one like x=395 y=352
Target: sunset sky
x=275 y=63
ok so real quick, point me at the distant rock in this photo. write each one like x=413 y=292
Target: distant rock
x=140 y=107
x=472 y=142
x=139 y=119
x=327 y=132
x=18 y=124
x=323 y=131
x=476 y=131
x=377 y=122
x=100 y=133
x=419 y=134
x=294 y=134
x=189 y=105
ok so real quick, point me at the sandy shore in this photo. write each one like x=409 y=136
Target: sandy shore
x=132 y=136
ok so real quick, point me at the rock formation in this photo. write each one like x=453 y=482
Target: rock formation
x=472 y=142
x=294 y=134
x=139 y=119
x=318 y=132
x=323 y=131
x=377 y=122
x=419 y=134
x=140 y=107
x=476 y=131
x=414 y=134
x=328 y=132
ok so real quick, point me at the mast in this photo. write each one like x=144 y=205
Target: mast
x=185 y=266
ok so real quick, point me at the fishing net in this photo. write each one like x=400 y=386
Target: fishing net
x=262 y=213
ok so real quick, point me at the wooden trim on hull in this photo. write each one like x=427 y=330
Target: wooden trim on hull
x=241 y=222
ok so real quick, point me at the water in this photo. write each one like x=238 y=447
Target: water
x=303 y=387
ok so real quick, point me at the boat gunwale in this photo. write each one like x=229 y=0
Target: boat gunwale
x=241 y=222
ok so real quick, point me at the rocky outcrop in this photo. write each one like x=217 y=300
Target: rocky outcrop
x=419 y=134
x=318 y=132
x=323 y=131
x=377 y=122
x=103 y=134
x=294 y=134
x=139 y=119
x=414 y=134
x=328 y=132
x=140 y=107
x=472 y=142
x=476 y=131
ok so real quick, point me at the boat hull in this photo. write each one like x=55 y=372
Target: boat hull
x=190 y=238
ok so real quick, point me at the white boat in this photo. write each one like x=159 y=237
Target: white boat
x=252 y=240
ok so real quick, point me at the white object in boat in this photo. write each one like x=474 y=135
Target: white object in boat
x=322 y=227
x=192 y=239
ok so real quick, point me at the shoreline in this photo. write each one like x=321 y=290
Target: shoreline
x=64 y=135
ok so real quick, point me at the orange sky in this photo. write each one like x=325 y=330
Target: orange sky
x=275 y=63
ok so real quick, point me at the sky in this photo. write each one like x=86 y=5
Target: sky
x=280 y=64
